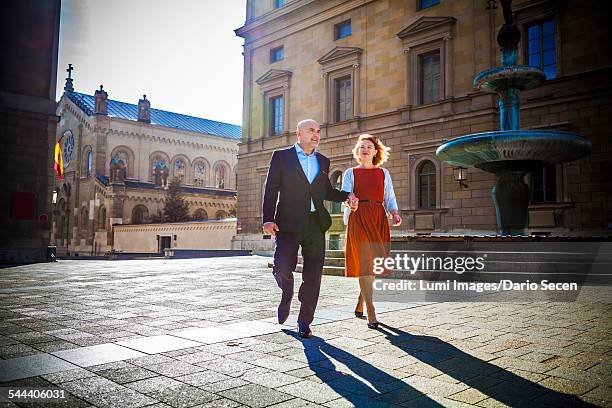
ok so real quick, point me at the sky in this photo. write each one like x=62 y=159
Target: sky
x=183 y=54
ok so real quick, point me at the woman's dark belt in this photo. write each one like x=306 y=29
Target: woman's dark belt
x=370 y=201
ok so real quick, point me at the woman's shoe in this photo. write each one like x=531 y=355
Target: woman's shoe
x=359 y=313
x=373 y=325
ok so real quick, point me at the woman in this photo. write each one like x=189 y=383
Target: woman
x=367 y=234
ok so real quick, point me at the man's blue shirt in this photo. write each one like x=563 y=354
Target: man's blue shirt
x=310 y=165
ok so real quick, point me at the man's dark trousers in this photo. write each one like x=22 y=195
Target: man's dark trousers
x=312 y=241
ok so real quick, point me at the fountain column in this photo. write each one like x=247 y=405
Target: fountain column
x=510 y=194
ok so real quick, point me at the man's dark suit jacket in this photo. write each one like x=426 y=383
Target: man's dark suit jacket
x=287 y=182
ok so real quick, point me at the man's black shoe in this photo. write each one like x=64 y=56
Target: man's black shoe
x=304 y=330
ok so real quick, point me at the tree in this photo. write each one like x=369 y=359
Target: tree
x=156 y=218
x=175 y=207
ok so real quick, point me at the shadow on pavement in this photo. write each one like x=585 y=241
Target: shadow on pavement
x=371 y=386
x=511 y=389
x=367 y=384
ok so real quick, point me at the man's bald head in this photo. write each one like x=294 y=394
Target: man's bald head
x=308 y=134
x=302 y=124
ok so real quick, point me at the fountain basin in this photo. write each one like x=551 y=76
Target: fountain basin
x=520 y=77
x=513 y=150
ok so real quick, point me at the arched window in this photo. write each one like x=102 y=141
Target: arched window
x=221 y=215
x=336 y=182
x=87 y=162
x=102 y=218
x=179 y=169
x=122 y=156
x=159 y=163
x=199 y=174
x=220 y=175
x=126 y=156
x=426 y=185
x=140 y=214
x=200 y=215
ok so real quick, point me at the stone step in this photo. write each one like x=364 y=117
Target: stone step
x=332 y=253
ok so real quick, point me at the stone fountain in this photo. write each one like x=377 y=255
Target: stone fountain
x=510 y=153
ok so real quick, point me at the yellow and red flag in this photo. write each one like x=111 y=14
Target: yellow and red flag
x=59 y=164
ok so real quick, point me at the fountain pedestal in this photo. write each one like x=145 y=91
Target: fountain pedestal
x=511 y=200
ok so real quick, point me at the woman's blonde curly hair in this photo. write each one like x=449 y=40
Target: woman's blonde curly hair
x=382 y=151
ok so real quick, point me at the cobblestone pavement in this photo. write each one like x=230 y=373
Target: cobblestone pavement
x=201 y=333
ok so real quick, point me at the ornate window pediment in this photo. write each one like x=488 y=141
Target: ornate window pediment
x=340 y=53
x=274 y=75
x=426 y=25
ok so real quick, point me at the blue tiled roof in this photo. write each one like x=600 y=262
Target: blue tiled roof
x=159 y=117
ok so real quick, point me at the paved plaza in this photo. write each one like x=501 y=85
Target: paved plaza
x=202 y=333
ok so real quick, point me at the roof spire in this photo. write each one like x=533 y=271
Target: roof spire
x=101 y=102
x=144 y=110
x=69 y=87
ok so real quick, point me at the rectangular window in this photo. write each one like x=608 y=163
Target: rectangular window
x=423 y=4
x=429 y=78
x=279 y=3
x=334 y=242
x=343 y=99
x=342 y=29
x=540 y=46
x=276 y=115
x=544 y=185
x=277 y=54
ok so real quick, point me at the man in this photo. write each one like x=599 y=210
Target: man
x=298 y=179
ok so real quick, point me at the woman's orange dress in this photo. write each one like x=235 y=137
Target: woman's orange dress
x=367 y=234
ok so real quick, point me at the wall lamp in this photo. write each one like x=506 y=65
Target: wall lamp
x=55 y=194
x=460 y=175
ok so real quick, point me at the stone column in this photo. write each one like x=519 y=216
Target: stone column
x=356 y=92
x=326 y=107
x=264 y=115
x=246 y=96
x=448 y=67
x=286 y=95
x=407 y=77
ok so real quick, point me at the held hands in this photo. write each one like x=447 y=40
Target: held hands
x=397 y=220
x=270 y=228
x=352 y=202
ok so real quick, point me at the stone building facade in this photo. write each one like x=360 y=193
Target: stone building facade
x=30 y=41
x=402 y=70
x=118 y=160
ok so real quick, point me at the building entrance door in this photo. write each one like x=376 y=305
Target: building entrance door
x=164 y=243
